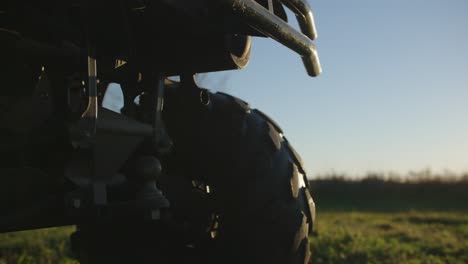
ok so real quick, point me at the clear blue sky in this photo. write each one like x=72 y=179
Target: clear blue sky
x=393 y=95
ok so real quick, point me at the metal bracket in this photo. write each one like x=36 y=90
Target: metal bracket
x=89 y=117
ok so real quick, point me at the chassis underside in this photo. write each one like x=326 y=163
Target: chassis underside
x=60 y=162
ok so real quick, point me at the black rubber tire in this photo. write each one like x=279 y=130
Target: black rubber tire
x=258 y=182
x=258 y=203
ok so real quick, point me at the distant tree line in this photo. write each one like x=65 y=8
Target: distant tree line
x=378 y=191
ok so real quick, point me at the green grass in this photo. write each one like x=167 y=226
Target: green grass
x=367 y=221
x=44 y=246
x=342 y=237
x=404 y=237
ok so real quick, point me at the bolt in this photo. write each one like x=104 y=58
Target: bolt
x=76 y=203
x=155 y=214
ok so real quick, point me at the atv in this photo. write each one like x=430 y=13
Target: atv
x=179 y=174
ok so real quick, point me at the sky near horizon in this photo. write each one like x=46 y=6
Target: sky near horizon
x=393 y=95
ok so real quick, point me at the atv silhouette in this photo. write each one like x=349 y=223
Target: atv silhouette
x=179 y=175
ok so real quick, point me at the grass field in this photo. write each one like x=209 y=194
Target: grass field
x=357 y=222
x=404 y=237
x=342 y=237
x=44 y=246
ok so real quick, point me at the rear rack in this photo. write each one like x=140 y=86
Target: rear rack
x=266 y=22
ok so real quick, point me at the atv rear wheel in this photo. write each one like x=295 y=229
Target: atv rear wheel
x=257 y=181
x=237 y=188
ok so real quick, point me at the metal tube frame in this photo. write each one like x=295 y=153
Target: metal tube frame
x=261 y=19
